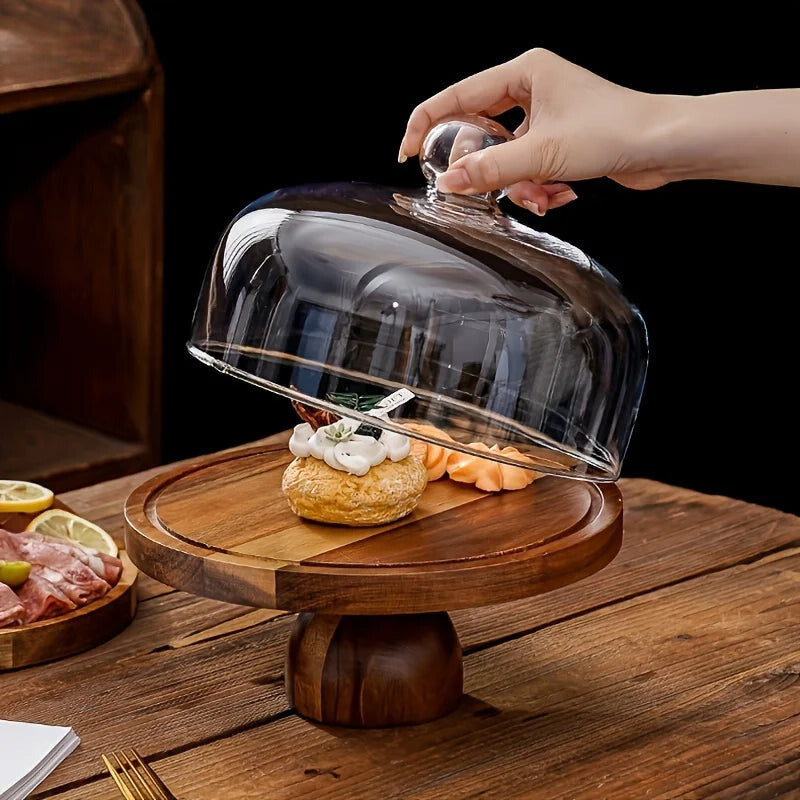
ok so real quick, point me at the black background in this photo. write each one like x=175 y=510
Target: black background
x=256 y=101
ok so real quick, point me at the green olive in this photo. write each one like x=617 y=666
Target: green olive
x=14 y=573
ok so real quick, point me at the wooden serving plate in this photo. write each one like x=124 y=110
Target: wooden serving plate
x=378 y=648
x=75 y=631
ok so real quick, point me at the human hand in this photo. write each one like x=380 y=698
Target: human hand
x=577 y=125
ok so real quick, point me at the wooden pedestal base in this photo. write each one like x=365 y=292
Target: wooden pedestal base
x=374 y=671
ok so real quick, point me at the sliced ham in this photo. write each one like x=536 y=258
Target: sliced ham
x=89 y=586
x=8 y=546
x=12 y=610
x=64 y=575
x=103 y=565
x=80 y=589
x=42 y=600
x=74 y=579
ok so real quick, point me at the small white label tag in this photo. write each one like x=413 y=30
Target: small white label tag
x=390 y=403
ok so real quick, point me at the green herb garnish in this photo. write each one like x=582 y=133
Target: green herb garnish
x=358 y=402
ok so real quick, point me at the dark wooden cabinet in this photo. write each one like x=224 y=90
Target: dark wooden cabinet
x=81 y=214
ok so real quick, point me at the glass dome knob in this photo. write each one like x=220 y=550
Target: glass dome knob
x=448 y=141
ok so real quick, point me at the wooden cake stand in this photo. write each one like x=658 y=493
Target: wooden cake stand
x=374 y=645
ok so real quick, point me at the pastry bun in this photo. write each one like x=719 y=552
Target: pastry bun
x=386 y=493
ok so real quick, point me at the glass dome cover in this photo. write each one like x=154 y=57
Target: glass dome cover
x=505 y=335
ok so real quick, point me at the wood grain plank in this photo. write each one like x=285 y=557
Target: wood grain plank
x=103 y=502
x=670 y=534
x=138 y=685
x=263 y=524
x=56 y=453
x=690 y=691
x=157 y=699
x=164 y=623
x=497 y=524
x=197 y=503
x=305 y=541
x=243 y=622
x=58 y=50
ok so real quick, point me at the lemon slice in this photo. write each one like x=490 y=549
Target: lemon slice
x=62 y=524
x=23 y=496
x=14 y=573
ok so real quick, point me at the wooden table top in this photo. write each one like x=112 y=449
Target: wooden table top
x=673 y=672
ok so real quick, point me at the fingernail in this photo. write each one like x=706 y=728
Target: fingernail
x=562 y=198
x=454 y=180
x=534 y=207
x=401 y=156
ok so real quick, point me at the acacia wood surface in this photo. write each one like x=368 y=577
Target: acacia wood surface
x=221 y=528
x=75 y=631
x=374 y=671
x=670 y=673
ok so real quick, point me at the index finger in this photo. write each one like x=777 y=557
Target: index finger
x=487 y=89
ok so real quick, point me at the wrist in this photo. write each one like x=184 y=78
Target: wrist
x=686 y=138
x=661 y=130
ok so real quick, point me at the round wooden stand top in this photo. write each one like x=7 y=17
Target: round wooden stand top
x=221 y=528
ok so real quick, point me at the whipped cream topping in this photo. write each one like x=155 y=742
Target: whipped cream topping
x=340 y=447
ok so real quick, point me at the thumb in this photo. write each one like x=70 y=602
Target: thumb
x=493 y=168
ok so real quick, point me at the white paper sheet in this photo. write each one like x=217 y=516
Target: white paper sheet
x=29 y=753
